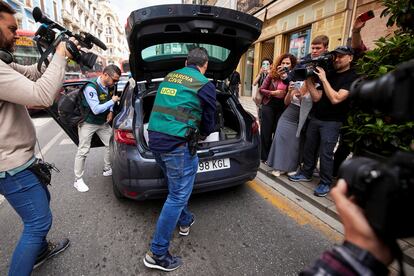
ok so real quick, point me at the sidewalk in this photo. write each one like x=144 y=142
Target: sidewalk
x=305 y=191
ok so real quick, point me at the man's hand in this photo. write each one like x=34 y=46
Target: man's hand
x=356 y=226
x=358 y=24
x=115 y=98
x=109 y=117
x=61 y=48
x=321 y=74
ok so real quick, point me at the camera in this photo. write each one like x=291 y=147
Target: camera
x=325 y=61
x=385 y=189
x=390 y=93
x=47 y=38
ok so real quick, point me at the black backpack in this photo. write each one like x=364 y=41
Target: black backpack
x=70 y=109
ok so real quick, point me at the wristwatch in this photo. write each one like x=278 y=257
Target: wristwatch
x=366 y=258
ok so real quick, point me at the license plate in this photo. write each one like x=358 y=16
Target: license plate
x=213 y=165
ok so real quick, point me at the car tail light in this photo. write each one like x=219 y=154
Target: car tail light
x=255 y=127
x=131 y=193
x=125 y=137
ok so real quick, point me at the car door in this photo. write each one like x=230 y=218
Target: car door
x=72 y=132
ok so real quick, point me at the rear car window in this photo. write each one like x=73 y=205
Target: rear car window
x=167 y=50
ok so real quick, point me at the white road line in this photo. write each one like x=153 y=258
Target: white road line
x=46 y=148
x=39 y=122
x=66 y=141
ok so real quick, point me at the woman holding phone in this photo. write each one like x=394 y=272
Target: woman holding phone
x=284 y=152
x=274 y=91
x=258 y=81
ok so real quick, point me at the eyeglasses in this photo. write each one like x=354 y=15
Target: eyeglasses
x=114 y=80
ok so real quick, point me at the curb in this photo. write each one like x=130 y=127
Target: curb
x=305 y=191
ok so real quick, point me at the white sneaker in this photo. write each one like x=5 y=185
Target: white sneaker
x=278 y=173
x=81 y=186
x=107 y=172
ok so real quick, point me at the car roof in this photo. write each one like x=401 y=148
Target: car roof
x=183 y=23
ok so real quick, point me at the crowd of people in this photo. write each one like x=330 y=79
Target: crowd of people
x=302 y=108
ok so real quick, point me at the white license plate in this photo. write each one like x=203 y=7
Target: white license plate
x=213 y=165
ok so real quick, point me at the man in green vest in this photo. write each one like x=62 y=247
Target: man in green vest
x=98 y=100
x=185 y=104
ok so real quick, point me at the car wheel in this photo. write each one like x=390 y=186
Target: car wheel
x=117 y=192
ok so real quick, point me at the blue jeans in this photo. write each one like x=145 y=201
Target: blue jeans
x=180 y=169
x=323 y=135
x=30 y=199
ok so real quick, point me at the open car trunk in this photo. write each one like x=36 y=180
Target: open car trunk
x=228 y=123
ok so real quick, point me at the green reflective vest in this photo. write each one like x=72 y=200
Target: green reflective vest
x=177 y=106
x=97 y=119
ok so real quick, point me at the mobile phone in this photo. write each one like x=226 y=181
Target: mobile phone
x=297 y=84
x=366 y=16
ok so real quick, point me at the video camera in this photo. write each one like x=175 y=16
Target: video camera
x=325 y=61
x=385 y=189
x=46 y=38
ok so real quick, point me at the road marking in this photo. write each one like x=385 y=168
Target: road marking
x=291 y=209
x=39 y=122
x=1 y=199
x=46 y=148
x=66 y=141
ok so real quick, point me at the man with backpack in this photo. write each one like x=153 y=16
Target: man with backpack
x=97 y=101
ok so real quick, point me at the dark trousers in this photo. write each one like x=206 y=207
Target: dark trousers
x=341 y=154
x=269 y=116
x=323 y=135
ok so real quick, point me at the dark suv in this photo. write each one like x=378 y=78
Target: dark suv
x=159 y=39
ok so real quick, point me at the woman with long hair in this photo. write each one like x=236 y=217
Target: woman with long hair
x=274 y=92
x=284 y=153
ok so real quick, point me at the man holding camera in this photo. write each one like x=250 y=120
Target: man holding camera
x=319 y=46
x=363 y=252
x=98 y=100
x=185 y=106
x=21 y=86
x=329 y=112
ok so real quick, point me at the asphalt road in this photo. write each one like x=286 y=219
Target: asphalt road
x=237 y=231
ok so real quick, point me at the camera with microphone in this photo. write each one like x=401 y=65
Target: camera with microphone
x=50 y=34
x=325 y=61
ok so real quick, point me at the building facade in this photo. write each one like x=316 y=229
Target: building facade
x=290 y=26
x=113 y=34
x=23 y=8
x=92 y=16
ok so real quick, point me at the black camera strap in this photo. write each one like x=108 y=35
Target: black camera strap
x=45 y=54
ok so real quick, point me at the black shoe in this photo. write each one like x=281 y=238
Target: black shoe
x=164 y=262
x=52 y=250
x=185 y=230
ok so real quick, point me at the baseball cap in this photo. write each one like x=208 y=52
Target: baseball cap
x=344 y=50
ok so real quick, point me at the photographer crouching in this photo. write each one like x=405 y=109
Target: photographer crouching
x=21 y=86
x=329 y=111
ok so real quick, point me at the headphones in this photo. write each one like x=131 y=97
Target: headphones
x=6 y=56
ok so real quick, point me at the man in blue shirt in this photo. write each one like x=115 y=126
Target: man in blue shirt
x=98 y=100
x=185 y=103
